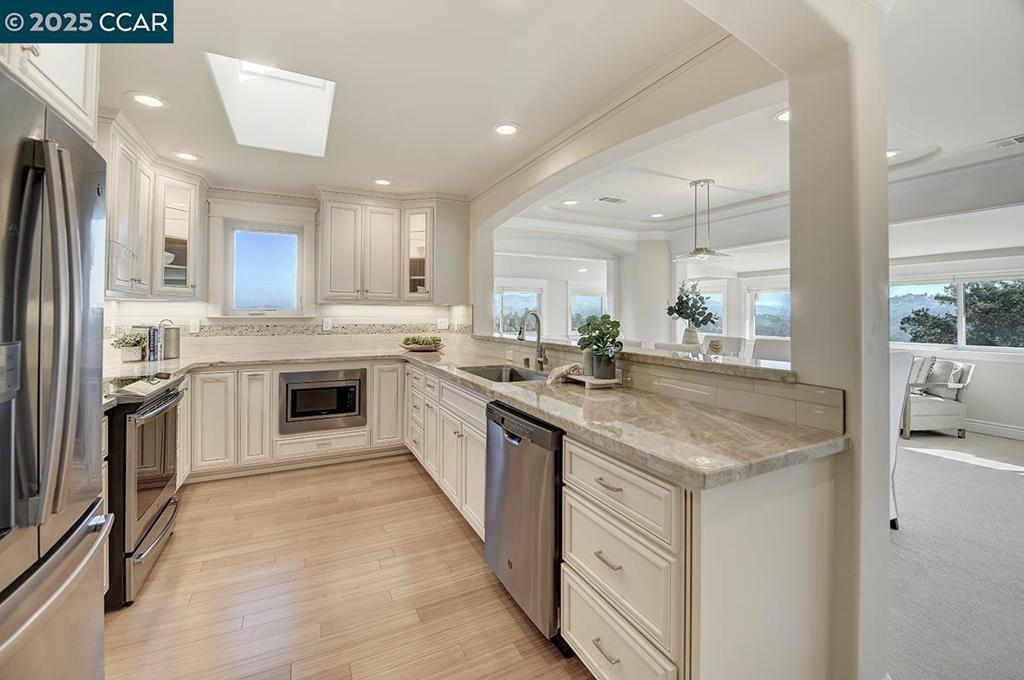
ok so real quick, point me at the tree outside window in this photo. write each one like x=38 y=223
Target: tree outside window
x=510 y=306
x=992 y=313
x=772 y=314
x=582 y=305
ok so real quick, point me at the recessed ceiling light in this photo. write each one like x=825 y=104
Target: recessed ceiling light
x=892 y=153
x=186 y=156
x=148 y=100
x=571 y=201
x=782 y=116
x=506 y=129
x=382 y=182
x=582 y=270
x=657 y=216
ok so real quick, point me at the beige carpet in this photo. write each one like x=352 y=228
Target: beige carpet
x=957 y=562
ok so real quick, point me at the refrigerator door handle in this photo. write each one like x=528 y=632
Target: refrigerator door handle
x=52 y=450
x=18 y=631
x=74 y=321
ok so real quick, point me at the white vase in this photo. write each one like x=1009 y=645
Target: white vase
x=691 y=336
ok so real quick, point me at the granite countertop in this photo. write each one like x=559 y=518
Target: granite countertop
x=681 y=441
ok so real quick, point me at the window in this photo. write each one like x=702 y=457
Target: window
x=716 y=305
x=923 y=312
x=510 y=306
x=582 y=305
x=979 y=313
x=772 y=313
x=265 y=271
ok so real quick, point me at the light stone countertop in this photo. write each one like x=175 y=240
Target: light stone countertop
x=683 y=442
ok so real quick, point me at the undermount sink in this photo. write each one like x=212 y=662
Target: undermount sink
x=504 y=373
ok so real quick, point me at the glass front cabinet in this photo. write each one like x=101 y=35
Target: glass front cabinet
x=176 y=235
x=417 y=253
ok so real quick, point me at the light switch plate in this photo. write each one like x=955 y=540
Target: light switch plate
x=328 y=324
x=442 y=324
x=193 y=326
x=508 y=355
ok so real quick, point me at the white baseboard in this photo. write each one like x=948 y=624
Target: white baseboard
x=267 y=468
x=995 y=429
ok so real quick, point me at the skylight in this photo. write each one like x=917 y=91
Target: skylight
x=270 y=108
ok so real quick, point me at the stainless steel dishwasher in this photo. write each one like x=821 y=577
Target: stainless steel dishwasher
x=524 y=512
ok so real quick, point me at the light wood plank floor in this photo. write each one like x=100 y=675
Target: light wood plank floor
x=352 y=571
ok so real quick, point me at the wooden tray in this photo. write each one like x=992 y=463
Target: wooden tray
x=422 y=348
x=592 y=383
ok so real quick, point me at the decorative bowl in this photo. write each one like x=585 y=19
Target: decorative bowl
x=422 y=348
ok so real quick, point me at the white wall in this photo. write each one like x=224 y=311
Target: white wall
x=645 y=289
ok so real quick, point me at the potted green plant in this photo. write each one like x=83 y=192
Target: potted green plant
x=600 y=334
x=131 y=346
x=692 y=307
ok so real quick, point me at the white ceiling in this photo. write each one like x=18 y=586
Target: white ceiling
x=954 y=75
x=419 y=84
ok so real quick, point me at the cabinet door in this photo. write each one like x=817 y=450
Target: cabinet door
x=213 y=420
x=143 y=228
x=449 y=462
x=340 y=251
x=65 y=77
x=255 y=412
x=175 y=233
x=474 y=478
x=122 y=191
x=184 y=466
x=381 y=254
x=431 y=434
x=417 y=253
x=386 y=402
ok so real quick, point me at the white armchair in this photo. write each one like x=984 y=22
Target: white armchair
x=731 y=345
x=939 y=402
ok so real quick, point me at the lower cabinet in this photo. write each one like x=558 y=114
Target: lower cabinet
x=450 y=459
x=255 y=408
x=431 y=436
x=184 y=466
x=214 y=422
x=386 y=389
x=474 y=478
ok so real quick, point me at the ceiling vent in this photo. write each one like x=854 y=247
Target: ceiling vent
x=614 y=200
x=1009 y=142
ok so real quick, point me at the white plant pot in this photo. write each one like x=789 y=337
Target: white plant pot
x=691 y=336
x=131 y=354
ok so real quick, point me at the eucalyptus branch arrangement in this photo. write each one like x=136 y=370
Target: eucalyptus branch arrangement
x=691 y=306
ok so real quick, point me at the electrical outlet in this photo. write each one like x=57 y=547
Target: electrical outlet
x=509 y=356
x=442 y=324
x=193 y=326
x=328 y=324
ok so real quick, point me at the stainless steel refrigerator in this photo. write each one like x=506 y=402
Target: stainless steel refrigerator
x=52 y=532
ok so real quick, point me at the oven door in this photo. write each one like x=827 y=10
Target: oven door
x=150 y=457
x=322 y=400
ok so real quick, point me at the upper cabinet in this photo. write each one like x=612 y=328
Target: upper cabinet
x=155 y=221
x=64 y=76
x=389 y=251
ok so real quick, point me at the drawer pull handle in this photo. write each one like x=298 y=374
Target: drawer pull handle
x=611 y=659
x=415 y=407
x=606 y=485
x=599 y=554
x=322 y=445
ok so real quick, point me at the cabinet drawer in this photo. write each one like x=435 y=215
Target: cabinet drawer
x=321 y=444
x=648 y=502
x=604 y=641
x=431 y=386
x=415 y=378
x=416 y=408
x=415 y=442
x=629 y=570
x=472 y=409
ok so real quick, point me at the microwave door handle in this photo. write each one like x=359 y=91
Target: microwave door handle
x=52 y=448
x=75 y=321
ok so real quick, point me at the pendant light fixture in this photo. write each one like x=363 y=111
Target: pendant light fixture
x=703 y=253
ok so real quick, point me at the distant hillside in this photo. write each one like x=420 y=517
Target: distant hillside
x=902 y=305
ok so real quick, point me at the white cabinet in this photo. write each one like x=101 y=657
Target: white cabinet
x=65 y=76
x=474 y=478
x=184 y=466
x=176 y=237
x=214 y=421
x=359 y=251
x=255 y=416
x=386 y=390
x=450 y=458
x=431 y=437
x=129 y=218
x=417 y=253
x=339 y=251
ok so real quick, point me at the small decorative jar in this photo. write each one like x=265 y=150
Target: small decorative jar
x=129 y=354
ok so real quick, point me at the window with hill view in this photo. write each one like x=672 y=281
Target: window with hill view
x=509 y=308
x=772 y=313
x=992 y=312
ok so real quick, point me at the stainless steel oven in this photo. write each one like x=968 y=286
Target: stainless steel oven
x=322 y=400
x=151 y=444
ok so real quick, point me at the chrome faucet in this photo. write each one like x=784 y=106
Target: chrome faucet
x=542 y=357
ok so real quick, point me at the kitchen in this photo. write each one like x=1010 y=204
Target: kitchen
x=300 y=449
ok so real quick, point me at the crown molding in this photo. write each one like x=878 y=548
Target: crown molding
x=323 y=190
x=117 y=118
x=262 y=196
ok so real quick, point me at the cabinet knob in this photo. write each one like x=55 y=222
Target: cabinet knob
x=34 y=49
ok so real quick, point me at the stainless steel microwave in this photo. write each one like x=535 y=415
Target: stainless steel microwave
x=313 y=401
